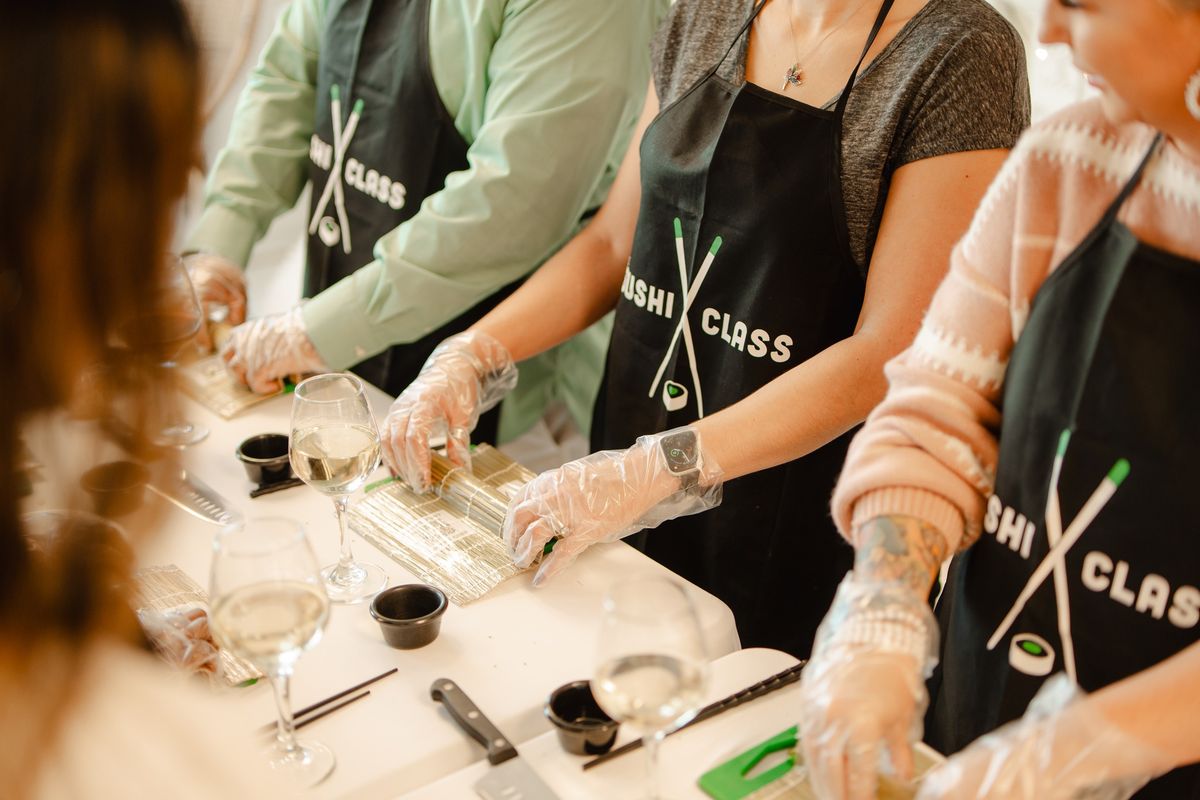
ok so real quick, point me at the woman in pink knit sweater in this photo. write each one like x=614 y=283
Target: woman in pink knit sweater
x=1042 y=428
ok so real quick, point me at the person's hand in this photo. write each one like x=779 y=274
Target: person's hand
x=863 y=692
x=465 y=376
x=262 y=352
x=1062 y=748
x=603 y=497
x=219 y=284
x=182 y=638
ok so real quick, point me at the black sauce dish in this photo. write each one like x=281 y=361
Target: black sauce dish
x=410 y=616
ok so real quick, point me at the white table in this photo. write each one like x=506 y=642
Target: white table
x=685 y=756
x=508 y=650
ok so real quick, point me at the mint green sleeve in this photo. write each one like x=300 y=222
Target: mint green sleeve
x=564 y=77
x=263 y=167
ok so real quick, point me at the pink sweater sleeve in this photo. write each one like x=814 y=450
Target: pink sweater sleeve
x=929 y=449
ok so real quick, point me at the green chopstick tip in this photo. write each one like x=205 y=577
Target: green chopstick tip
x=358 y=106
x=678 y=229
x=1119 y=471
x=370 y=487
x=549 y=548
x=1063 y=439
x=716 y=245
x=247 y=682
x=335 y=92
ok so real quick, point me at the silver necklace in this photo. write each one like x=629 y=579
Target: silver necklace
x=795 y=73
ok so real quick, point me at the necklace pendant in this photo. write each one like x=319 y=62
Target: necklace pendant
x=794 y=77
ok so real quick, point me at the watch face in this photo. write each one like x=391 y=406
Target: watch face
x=680 y=451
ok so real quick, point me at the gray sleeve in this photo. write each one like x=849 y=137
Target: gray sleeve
x=692 y=37
x=951 y=115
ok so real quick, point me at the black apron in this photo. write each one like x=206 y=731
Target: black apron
x=741 y=270
x=402 y=145
x=1110 y=353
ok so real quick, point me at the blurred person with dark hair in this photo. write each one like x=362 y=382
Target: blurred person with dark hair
x=95 y=155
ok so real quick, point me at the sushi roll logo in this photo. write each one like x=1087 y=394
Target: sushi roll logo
x=1029 y=653
x=674 y=395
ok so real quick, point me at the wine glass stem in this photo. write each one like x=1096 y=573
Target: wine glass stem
x=285 y=735
x=345 y=565
x=651 y=744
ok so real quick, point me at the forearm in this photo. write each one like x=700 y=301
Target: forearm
x=800 y=411
x=262 y=168
x=569 y=293
x=1159 y=706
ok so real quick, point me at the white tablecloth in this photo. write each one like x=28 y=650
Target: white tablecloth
x=508 y=650
x=685 y=756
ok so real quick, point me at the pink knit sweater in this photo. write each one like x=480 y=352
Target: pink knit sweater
x=929 y=450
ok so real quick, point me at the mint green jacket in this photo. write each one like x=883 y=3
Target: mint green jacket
x=544 y=92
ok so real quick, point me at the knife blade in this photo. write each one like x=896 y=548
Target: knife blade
x=510 y=778
x=196 y=497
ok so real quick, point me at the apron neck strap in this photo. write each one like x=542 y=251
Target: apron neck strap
x=880 y=18
x=737 y=38
x=1114 y=208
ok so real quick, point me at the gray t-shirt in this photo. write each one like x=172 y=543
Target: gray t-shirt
x=952 y=80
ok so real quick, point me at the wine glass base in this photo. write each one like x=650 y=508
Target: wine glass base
x=306 y=766
x=183 y=435
x=363 y=582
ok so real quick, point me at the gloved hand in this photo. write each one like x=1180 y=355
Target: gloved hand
x=1062 y=748
x=465 y=376
x=606 y=496
x=863 y=691
x=218 y=283
x=261 y=352
x=182 y=638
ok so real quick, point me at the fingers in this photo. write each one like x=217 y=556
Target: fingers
x=901 y=755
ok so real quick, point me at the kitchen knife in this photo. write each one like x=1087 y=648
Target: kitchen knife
x=510 y=778
x=196 y=497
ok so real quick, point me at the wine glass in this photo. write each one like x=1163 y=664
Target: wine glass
x=161 y=332
x=334 y=448
x=653 y=665
x=269 y=606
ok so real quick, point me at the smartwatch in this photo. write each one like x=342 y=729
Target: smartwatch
x=681 y=451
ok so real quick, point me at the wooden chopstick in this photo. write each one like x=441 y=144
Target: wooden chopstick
x=753 y=692
x=270 y=726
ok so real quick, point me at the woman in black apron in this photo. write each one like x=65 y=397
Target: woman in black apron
x=728 y=261
x=1086 y=570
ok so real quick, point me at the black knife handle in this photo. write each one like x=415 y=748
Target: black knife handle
x=471 y=719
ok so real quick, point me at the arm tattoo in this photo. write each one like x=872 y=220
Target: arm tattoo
x=900 y=548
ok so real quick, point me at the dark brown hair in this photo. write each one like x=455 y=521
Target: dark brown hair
x=100 y=129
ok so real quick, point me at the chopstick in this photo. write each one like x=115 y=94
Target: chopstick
x=753 y=692
x=270 y=726
x=298 y=725
x=277 y=486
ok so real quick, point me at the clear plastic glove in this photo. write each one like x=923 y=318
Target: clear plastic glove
x=604 y=497
x=463 y=377
x=1062 y=748
x=219 y=284
x=264 y=351
x=863 y=692
x=182 y=638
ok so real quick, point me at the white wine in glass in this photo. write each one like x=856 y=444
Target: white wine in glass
x=334 y=449
x=652 y=662
x=269 y=606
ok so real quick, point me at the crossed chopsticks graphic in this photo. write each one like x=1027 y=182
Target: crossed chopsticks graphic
x=333 y=184
x=1060 y=543
x=684 y=327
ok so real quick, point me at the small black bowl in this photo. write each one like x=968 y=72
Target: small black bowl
x=410 y=616
x=117 y=488
x=265 y=458
x=583 y=727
